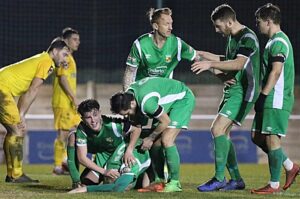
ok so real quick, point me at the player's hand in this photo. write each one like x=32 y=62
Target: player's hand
x=22 y=125
x=128 y=158
x=112 y=173
x=75 y=103
x=147 y=143
x=230 y=82
x=260 y=103
x=200 y=66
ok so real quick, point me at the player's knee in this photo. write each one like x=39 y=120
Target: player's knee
x=15 y=130
x=257 y=139
x=167 y=142
x=217 y=130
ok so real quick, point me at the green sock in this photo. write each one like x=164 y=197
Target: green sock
x=173 y=162
x=284 y=156
x=158 y=161
x=221 y=154
x=275 y=163
x=232 y=164
x=119 y=185
x=73 y=164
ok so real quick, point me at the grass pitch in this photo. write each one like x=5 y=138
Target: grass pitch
x=192 y=175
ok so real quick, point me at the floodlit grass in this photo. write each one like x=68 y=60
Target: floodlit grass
x=192 y=175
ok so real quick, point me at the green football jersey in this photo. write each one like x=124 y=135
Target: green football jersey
x=142 y=158
x=106 y=140
x=152 y=61
x=154 y=92
x=246 y=44
x=282 y=95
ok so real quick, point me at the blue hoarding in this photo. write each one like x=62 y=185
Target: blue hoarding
x=198 y=146
x=193 y=146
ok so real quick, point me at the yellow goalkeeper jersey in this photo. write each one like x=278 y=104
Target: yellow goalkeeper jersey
x=17 y=77
x=60 y=99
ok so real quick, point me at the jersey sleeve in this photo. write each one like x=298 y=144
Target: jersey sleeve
x=81 y=139
x=151 y=107
x=44 y=69
x=248 y=46
x=187 y=52
x=134 y=57
x=278 y=49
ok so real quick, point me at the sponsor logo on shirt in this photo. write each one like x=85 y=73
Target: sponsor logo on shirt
x=81 y=141
x=147 y=56
x=158 y=71
x=131 y=59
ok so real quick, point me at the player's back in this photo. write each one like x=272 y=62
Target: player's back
x=18 y=76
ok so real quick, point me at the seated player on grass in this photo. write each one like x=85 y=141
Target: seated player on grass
x=129 y=174
x=99 y=135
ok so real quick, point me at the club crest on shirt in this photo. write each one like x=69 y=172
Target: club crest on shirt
x=168 y=58
x=109 y=139
x=51 y=69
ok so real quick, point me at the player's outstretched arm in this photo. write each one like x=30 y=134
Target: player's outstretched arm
x=204 y=55
x=128 y=158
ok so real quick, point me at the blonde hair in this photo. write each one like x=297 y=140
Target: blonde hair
x=154 y=14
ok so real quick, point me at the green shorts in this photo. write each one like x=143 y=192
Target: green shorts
x=235 y=108
x=101 y=158
x=181 y=111
x=271 y=121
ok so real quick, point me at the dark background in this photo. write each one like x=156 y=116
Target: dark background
x=108 y=29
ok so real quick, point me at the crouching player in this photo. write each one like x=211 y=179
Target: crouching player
x=129 y=173
x=96 y=134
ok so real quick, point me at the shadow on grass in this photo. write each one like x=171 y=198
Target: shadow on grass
x=45 y=188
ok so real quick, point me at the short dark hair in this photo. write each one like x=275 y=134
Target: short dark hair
x=120 y=101
x=269 y=11
x=57 y=43
x=154 y=14
x=67 y=32
x=223 y=12
x=87 y=106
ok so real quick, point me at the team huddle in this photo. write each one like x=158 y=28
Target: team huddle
x=126 y=155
